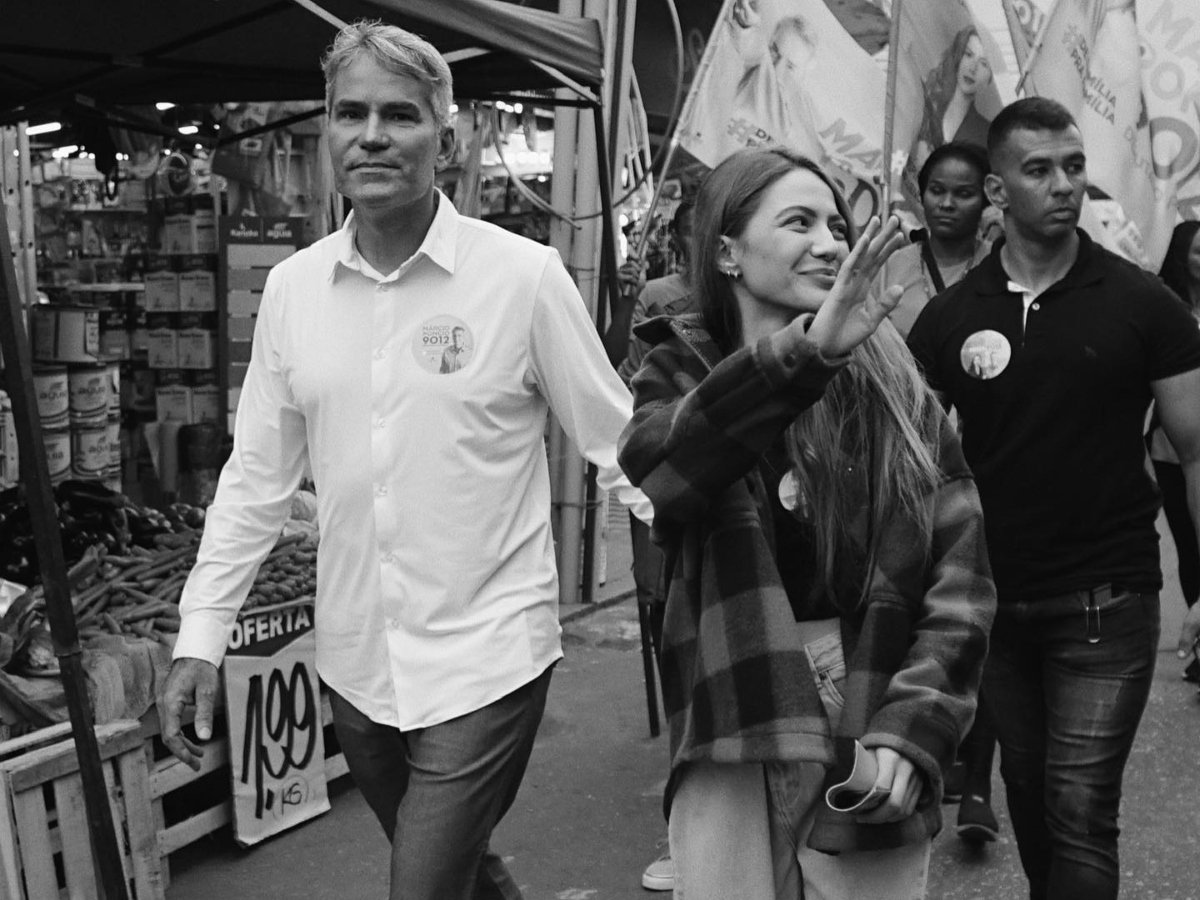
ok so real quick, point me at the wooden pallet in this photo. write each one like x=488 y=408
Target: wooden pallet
x=45 y=846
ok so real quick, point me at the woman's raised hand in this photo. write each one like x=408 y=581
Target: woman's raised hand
x=852 y=311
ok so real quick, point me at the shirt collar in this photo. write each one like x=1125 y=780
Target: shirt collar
x=1082 y=272
x=439 y=245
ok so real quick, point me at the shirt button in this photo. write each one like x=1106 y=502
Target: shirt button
x=379 y=353
x=790 y=360
x=379 y=423
x=393 y=624
x=381 y=490
x=1036 y=306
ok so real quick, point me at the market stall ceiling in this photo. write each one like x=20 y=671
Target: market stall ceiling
x=59 y=53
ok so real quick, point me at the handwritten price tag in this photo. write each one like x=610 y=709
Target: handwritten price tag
x=277 y=751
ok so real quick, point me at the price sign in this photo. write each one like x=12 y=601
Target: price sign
x=276 y=747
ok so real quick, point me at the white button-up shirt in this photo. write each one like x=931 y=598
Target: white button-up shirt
x=420 y=401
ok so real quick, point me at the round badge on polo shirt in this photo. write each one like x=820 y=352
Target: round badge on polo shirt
x=985 y=354
x=444 y=345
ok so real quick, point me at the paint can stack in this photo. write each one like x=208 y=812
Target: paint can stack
x=79 y=352
x=52 y=391
x=89 y=405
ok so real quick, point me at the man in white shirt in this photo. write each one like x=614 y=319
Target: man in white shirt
x=436 y=608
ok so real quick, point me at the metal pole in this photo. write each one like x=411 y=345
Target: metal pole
x=18 y=376
x=889 y=107
x=582 y=264
x=1036 y=50
x=685 y=115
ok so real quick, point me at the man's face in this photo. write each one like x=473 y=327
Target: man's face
x=456 y=337
x=1039 y=181
x=383 y=139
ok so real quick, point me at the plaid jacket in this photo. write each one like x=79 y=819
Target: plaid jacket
x=736 y=683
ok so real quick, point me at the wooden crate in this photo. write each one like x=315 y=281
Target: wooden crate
x=45 y=848
x=169 y=778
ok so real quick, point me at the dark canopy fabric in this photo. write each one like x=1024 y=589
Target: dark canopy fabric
x=56 y=53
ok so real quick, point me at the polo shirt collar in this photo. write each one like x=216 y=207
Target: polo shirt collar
x=439 y=245
x=994 y=280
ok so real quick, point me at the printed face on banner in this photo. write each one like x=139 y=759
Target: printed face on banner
x=945 y=87
x=786 y=72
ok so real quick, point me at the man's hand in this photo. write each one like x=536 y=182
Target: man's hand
x=904 y=784
x=191 y=682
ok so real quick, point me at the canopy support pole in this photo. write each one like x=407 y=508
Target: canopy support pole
x=106 y=852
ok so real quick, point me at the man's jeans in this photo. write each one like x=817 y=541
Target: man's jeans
x=439 y=792
x=1066 y=696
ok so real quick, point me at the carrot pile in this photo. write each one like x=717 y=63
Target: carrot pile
x=137 y=593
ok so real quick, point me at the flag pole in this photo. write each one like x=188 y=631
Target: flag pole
x=685 y=115
x=1036 y=49
x=889 y=107
x=1016 y=34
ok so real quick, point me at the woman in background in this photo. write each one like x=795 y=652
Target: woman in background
x=830 y=599
x=952 y=199
x=1181 y=273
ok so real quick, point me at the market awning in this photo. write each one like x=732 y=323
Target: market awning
x=60 y=53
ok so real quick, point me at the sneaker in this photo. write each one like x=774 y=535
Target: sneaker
x=659 y=875
x=1192 y=672
x=976 y=822
x=952 y=783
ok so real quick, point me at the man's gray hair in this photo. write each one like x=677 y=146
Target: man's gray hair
x=397 y=51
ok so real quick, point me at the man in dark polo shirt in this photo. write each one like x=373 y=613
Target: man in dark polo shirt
x=1051 y=350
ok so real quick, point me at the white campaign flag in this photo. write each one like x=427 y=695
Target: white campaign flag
x=945 y=88
x=1170 y=66
x=1025 y=19
x=786 y=72
x=1089 y=59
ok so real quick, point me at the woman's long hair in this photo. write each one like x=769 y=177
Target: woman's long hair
x=943 y=78
x=1174 y=271
x=866 y=452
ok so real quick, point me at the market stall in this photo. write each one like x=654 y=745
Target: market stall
x=51 y=62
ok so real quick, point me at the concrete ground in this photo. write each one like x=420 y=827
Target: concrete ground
x=588 y=817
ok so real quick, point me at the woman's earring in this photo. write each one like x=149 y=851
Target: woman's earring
x=733 y=272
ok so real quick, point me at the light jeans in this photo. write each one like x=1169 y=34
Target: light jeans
x=740 y=830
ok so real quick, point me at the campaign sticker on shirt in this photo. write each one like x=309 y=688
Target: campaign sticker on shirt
x=444 y=345
x=985 y=354
x=789 y=490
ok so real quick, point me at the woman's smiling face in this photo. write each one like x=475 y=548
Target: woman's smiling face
x=791 y=249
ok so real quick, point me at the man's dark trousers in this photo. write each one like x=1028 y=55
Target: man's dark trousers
x=1066 y=687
